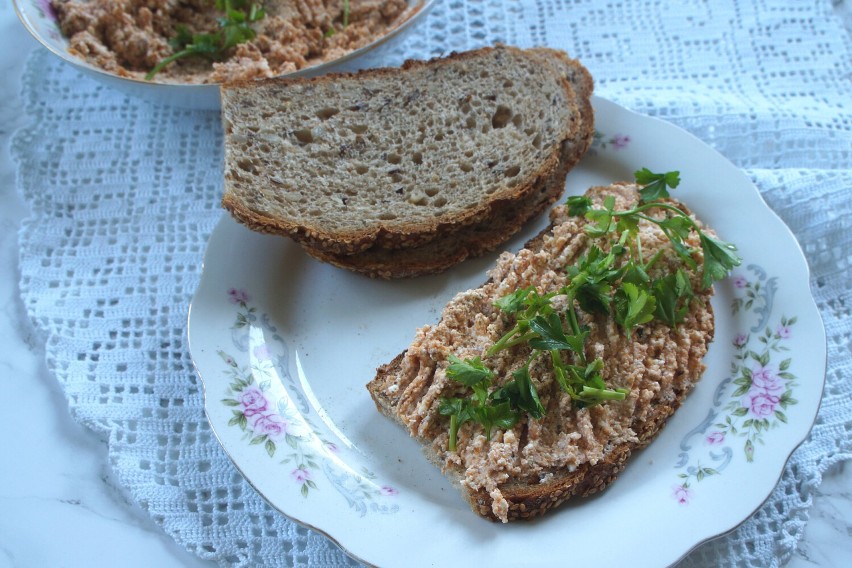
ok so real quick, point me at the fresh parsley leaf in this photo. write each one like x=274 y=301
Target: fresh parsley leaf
x=561 y=373
x=578 y=205
x=450 y=406
x=633 y=306
x=594 y=296
x=523 y=304
x=635 y=273
x=593 y=373
x=627 y=224
x=499 y=415
x=719 y=259
x=685 y=254
x=521 y=394
x=550 y=333
x=528 y=395
x=592 y=278
x=585 y=385
x=234 y=29
x=577 y=343
x=676 y=228
x=514 y=302
x=601 y=220
x=673 y=292
x=595 y=265
x=459 y=411
x=537 y=304
x=655 y=185
x=469 y=372
x=182 y=38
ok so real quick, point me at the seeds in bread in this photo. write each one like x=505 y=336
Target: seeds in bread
x=538 y=464
x=394 y=157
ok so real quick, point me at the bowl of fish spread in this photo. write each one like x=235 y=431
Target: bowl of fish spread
x=180 y=51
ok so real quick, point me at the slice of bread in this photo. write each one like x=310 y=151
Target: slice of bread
x=538 y=464
x=485 y=236
x=395 y=158
x=443 y=253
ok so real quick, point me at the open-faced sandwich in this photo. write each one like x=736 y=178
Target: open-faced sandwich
x=538 y=385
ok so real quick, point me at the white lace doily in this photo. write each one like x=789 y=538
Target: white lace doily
x=124 y=194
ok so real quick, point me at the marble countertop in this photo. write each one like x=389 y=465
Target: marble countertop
x=59 y=503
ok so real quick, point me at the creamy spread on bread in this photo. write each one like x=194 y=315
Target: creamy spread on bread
x=657 y=365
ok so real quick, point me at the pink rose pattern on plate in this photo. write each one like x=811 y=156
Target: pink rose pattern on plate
x=47 y=18
x=682 y=494
x=755 y=398
x=46 y=9
x=601 y=141
x=272 y=422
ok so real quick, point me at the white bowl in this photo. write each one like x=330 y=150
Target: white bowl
x=39 y=19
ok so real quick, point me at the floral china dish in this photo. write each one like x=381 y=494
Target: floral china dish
x=285 y=345
x=39 y=18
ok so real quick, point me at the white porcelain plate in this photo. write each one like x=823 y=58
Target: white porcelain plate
x=285 y=345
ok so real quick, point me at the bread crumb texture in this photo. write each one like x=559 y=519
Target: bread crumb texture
x=393 y=151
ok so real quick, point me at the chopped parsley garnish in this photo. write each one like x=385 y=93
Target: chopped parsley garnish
x=613 y=280
x=234 y=29
x=488 y=409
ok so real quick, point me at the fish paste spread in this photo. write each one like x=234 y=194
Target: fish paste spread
x=129 y=38
x=657 y=365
